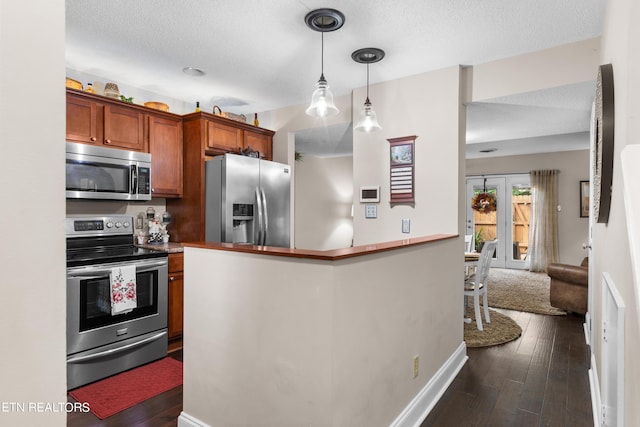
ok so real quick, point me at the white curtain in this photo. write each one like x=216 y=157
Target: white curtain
x=543 y=230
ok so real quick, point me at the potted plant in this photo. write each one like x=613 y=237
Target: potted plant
x=479 y=241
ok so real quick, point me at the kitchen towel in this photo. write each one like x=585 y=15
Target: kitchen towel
x=123 y=289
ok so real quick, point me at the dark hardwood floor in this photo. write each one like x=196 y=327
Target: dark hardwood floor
x=540 y=379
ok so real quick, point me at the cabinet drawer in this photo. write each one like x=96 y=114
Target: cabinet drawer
x=176 y=262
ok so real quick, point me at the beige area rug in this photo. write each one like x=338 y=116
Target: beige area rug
x=502 y=329
x=520 y=290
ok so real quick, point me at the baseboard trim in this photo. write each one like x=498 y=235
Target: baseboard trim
x=418 y=409
x=594 y=385
x=186 y=420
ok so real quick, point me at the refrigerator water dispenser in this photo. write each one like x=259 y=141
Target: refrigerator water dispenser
x=242 y=223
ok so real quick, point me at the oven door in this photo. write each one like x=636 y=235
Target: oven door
x=90 y=324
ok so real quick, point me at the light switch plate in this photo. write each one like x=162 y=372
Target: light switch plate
x=370 y=211
x=406 y=225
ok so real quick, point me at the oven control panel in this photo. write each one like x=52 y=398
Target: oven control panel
x=99 y=226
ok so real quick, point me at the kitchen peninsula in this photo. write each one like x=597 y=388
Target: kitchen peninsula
x=356 y=336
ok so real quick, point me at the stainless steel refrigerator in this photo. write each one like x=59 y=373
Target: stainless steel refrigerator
x=247 y=201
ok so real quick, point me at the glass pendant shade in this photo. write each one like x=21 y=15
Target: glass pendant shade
x=368 y=122
x=322 y=101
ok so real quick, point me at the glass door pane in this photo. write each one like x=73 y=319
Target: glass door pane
x=509 y=223
x=489 y=224
x=520 y=201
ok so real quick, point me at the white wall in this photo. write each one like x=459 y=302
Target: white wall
x=296 y=342
x=323 y=202
x=429 y=106
x=140 y=96
x=611 y=254
x=574 y=167
x=557 y=66
x=32 y=135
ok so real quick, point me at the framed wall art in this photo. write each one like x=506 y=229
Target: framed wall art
x=402 y=170
x=584 y=199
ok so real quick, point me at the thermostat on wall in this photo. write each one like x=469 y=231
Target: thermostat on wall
x=370 y=194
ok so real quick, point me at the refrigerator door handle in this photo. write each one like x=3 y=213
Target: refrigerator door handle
x=258 y=241
x=266 y=218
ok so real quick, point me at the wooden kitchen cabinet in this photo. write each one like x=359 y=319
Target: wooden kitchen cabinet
x=175 y=314
x=165 y=146
x=97 y=120
x=124 y=128
x=85 y=120
x=223 y=137
x=258 y=142
x=208 y=135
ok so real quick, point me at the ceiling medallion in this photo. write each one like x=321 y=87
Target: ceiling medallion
x=324 y=20
x=603 y=147
x=368 y=55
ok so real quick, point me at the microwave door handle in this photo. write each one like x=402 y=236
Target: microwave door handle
x=258 y=241
x=266 y=217
x=134 y=180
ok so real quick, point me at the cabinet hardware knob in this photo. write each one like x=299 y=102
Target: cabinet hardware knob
x=172 y=278
x=107 y=141
x=93 y=138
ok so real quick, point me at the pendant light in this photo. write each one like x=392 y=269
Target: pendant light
x=323 y=20
x=367 y=121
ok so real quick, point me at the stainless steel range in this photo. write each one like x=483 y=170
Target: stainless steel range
x=101 y=339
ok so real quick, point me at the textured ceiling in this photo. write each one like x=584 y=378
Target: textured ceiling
x=259 y=55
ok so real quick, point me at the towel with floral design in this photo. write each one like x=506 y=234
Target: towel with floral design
x=123 y=289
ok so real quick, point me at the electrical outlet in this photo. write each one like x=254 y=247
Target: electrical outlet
x=416 y=366
x=406 y=225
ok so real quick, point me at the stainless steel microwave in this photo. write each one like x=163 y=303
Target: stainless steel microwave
x=107 y=173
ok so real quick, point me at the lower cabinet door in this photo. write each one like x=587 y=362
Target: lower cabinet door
x=176 y=299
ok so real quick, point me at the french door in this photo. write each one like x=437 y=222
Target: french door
x=509 y=222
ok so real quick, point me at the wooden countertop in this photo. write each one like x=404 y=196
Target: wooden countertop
x=331 y=255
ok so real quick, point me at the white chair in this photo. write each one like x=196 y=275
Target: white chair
x=468 y=242
x=476 y=286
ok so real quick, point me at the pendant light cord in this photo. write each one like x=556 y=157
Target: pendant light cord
x=322 y=55
x=367 y=82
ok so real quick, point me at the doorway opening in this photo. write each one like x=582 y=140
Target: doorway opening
x=509 y=222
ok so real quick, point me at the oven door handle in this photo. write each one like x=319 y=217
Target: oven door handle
x=101 y=270
x=79 y=359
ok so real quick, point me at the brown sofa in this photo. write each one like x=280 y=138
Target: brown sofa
x=569 y=286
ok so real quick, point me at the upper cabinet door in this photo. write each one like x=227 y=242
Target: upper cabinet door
x=165 y=146
x=84 y=120
x=223 y=137
x=259 y=142
x=124 y=128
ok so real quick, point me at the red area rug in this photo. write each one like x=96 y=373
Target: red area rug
x=119 y=392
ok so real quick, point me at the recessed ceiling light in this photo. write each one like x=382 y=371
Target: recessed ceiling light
x=488 y=150
x=192 y=71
